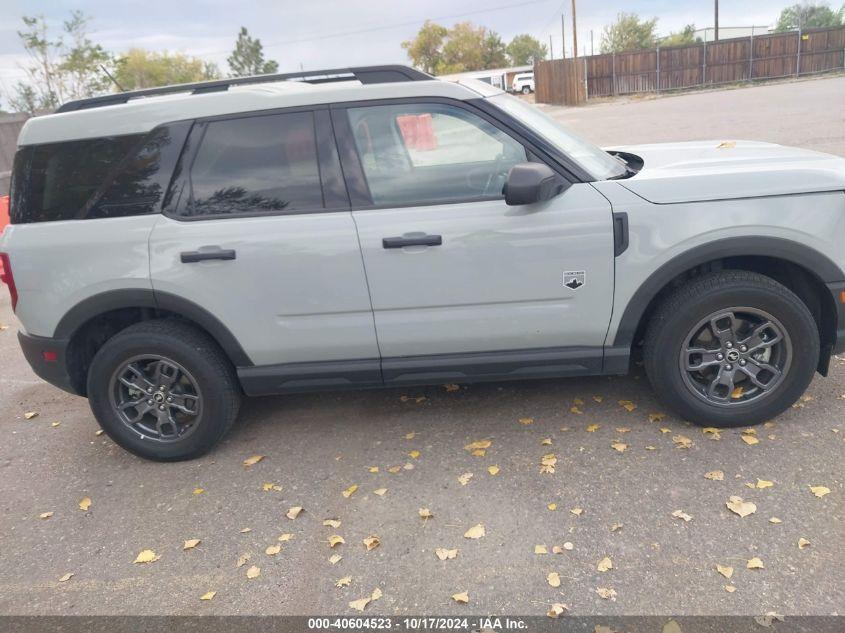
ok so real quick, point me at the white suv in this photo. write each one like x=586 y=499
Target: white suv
x=173 y=249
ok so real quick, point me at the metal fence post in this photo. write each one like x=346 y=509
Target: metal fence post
x=798 y=54
x=586 y=84
x=704 y=59
x=613 y=74
x=658 y=69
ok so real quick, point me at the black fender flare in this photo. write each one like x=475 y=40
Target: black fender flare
x=816 y=263
x=149 y=298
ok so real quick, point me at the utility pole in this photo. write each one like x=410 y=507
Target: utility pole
x=551 y=48
x=562 y=36
x=574 y=32
x=592 y=52
x=716 y=23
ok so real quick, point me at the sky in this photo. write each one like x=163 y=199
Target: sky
x=314 y=34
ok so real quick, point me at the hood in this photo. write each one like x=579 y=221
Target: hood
x=718 y=170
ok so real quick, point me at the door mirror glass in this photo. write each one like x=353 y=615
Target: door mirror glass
x=528 y=183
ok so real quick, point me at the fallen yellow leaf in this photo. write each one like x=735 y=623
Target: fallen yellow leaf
x=576 y=410
x=604 y=564
x=627 y=405
x=272 y=550
x=553 y=579
x=763 y=483
x=199 y=491
x=85 y=504
x=332 y=523
x=425 y=513
x=208 y=595
x=285 y=537
x=464 y=479
x=802 y=543
x=462 y=597
x=592 y=428
x=45 y=515
x=336 y=539
x=253 y=572
x=606 y=593
x=729 y=588
x=775 y=520
x=394 y=469
x=475 y=532
x=556 y=610
x=540 y=549
x=751 y=440
x=754 y=563
x=547 y=464
x=414 y=454
x=334 y=559
x=373 y=469
x=379 y=491
x=445 y=554
x=726 y=571
x=371 y=542
x=577 y=511
x=242 y=559
x=343 y=582
x=191 y=543
x=620 y=447
x=293 y=512
x=526 y=421
x=680 y=514
x=267 y=487
x=493 y=470
x=682 y=441
x=451 y=387
x=146 y=556
x=350 y=491
x=715 y=475
x=713 y=432
x=411 y=435
x=66 y=577
x=252 y=461
x=552 y=506
x=820 y=491
x=30 y=414
x=742 y=508
x=656 y=417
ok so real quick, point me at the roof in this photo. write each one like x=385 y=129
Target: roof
x=140 y=115
x=473 y=74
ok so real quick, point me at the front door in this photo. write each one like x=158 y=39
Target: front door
x=463 y=285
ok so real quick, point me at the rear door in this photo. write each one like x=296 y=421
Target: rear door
x=461 y=283
x=257 y=231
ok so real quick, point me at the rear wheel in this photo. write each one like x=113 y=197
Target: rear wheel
x=732 y=348
x=526 y=90
x=163 y=390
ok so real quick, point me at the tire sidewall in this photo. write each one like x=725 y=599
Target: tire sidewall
x=210 y=426
x=666 y=374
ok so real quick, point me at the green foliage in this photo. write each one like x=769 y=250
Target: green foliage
x=426 y=49
x=629 y=33
x=63 y=67
x=248 y=57
x=466 y=47
x=680 y=38
x=140 y=68
x=525 y=49
x=808 y=16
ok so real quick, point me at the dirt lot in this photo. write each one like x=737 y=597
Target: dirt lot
x=606 y=502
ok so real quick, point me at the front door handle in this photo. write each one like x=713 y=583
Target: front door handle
x=206 y=253
x=417 y=240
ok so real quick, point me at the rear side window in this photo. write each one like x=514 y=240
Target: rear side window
x=55 y=181
x=256 y=164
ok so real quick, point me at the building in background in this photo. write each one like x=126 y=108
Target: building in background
x=708 y=33
x=498 y=77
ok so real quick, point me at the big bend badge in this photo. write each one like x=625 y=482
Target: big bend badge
x=574 y=279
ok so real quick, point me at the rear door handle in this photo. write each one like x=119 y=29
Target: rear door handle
x=206 y=253
x=419 y=240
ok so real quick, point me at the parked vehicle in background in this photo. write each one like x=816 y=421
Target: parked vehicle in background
x=523 y=82
x=376 y=227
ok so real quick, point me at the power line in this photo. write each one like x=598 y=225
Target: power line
x=316 y=38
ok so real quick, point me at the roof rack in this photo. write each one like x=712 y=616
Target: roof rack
x=364 y=74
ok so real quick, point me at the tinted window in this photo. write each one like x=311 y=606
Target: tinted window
x=140 y=182
x=430 y=153
x=54 y=181
x=256 y=164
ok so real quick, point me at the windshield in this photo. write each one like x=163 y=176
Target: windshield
x=594 y=160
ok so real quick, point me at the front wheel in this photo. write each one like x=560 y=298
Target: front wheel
x=732 y=348
x=163 y=390
x=526 y=90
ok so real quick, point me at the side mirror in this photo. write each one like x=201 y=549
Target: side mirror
x=528 y=183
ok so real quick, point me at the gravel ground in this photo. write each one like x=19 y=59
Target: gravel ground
x=317 y=446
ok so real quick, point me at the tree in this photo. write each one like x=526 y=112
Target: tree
x=524 y=50
x=680 y=38
x=248 y=57
x=809 y=15
x=60 y=69
x=494 y=53
x=629 y=33
x=464 y=48
x=140 y=68
x=426 y=49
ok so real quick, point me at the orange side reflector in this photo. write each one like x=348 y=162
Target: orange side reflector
x=842 y=296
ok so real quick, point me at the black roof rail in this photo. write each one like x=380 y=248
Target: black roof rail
x=364 y=74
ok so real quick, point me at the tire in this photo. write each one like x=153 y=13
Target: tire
x=200 y=400
x=526 y=90
x=757 y=300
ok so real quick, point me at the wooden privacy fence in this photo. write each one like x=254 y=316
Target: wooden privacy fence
x=739 y=59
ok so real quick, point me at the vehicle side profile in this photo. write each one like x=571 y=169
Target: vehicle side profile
x=174 y=249
x=523 y=82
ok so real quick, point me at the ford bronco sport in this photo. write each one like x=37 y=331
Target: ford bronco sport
x=173 y=249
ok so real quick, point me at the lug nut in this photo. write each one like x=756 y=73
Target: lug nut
x=720 y=356
x=729 y=345
x=729 y=367
x=149 y=389
x=169 y=399
x=149 y=401
x=161 y=387
x=743 y=348
x=161 y=407
x=742 y=363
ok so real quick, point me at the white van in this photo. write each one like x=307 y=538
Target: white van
x=523 y=82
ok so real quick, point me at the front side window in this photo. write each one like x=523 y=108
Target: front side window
x=256 y=164
x=431 y=154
